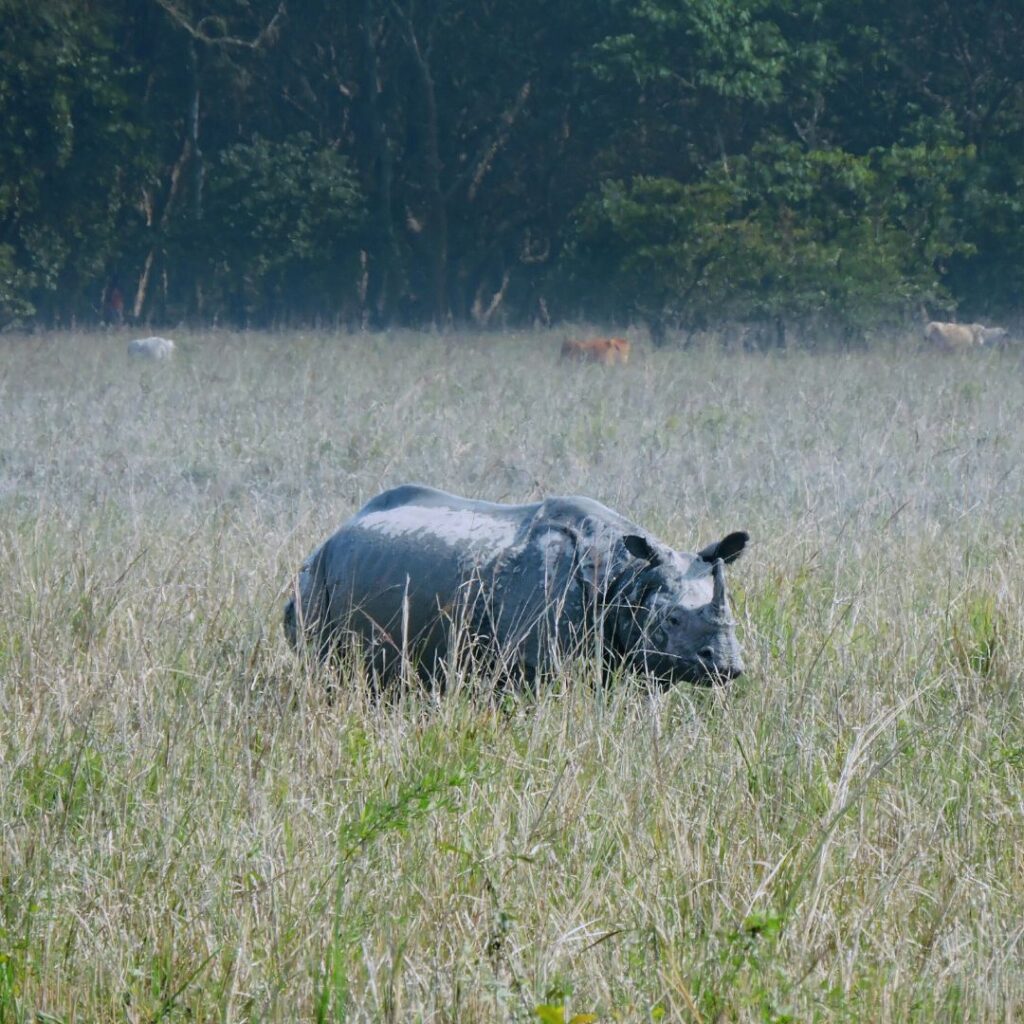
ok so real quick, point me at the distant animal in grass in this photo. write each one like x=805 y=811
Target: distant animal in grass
x=607 y=351
x=990 y=335
x=151 y=348
x=961 y=337
x=417 y=576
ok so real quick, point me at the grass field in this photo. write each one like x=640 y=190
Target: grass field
x=190 y=831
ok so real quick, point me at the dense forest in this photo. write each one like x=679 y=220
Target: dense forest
x=680 y=163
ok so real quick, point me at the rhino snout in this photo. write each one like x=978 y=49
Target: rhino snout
x=717 y=667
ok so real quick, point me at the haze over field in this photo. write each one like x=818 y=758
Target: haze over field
x=189 y=829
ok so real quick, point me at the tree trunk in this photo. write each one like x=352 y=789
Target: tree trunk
x=198 y=170
x=482 y=313
x=382 y=258
x=437 y=213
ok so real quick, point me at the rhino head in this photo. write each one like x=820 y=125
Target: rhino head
x=675 y=612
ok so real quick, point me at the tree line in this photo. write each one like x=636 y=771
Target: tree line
x=684 y=163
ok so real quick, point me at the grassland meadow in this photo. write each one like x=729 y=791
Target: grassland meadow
x=191 y=830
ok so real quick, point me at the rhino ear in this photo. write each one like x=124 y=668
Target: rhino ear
x=728 y=549
x=640 y=548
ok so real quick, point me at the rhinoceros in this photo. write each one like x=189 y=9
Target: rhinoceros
x=416 y=572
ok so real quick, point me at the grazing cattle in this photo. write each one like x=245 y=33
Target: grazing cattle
x=990 y=335
x=607 y=351
x=959 y=337
x=949 y=337
x=151 y=348
x=417 y=576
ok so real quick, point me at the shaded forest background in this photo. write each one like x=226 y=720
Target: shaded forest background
x=683 y=163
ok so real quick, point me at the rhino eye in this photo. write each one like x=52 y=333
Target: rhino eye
x=675 y=618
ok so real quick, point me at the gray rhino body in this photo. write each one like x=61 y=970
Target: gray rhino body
x=417 y=571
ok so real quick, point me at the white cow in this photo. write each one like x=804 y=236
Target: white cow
x=988 y=335
x=151 y=348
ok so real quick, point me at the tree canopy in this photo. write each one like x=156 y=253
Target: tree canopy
x=434 y=161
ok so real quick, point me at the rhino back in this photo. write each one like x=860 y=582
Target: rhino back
x=409 y=566
x=420 y=496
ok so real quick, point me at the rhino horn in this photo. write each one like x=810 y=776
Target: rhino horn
x=718 y=605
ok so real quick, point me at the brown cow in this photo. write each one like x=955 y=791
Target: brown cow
x=607 y=351
x=960 y=337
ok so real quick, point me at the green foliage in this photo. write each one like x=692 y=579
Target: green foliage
x=66 y=157
x=282 y=216
x=769 y=162
x=431 y=786
x=16 y=283
x=656 y=243
x=727 y=49
x=978 y=635
x=554 y=1013
x=784 y=233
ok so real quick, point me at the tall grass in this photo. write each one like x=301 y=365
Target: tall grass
x=190 y=830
